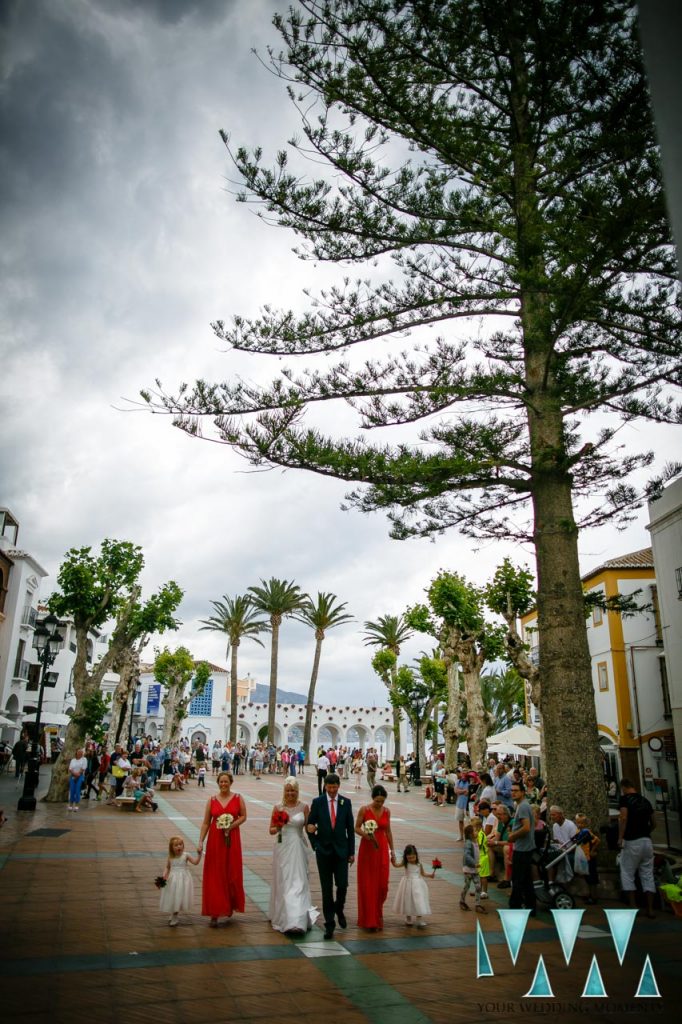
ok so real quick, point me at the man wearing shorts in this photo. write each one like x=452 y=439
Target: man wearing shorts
x=635 y=824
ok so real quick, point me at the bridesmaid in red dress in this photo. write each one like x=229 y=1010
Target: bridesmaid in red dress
x=374 y=856
x=223 y=889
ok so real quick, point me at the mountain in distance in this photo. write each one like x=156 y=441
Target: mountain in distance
x=261 y=695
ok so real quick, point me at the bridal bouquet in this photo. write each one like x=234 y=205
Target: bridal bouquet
x=223 y=822
x=160 y=882
x=369 y=827
x=279 y=820
x=435 y=864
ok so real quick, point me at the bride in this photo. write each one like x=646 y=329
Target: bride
x=290 y=907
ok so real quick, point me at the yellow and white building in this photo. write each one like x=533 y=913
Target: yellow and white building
x=628 y=673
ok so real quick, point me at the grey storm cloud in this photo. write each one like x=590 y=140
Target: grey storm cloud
x=120 y=244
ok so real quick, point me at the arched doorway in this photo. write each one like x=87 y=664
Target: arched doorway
x=383 y=741
x=295 y=736
x=199 y=736
x=12 y=707
x=329 y=735
x=244 y=734
x=358 y=736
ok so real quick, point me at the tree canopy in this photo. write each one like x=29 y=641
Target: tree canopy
x=94 y=589
x=496 y=159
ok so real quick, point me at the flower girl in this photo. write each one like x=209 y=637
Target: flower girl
x=178 y=892
x=412 y=897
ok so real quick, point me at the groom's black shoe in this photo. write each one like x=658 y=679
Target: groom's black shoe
x=329 y=932
x=341 y=918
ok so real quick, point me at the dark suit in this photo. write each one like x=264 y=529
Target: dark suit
x=333 y=848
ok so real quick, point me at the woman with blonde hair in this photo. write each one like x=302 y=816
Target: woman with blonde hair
x=290 y=910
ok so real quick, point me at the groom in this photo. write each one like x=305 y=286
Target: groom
x=332 y=837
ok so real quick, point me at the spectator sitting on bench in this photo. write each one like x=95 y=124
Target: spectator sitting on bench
x=176 y=771
x=135 y=787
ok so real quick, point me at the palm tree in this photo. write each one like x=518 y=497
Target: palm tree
x=504 y=698
x=320 y=615
x=390 y=632
x=278 y=599
x=238 y=618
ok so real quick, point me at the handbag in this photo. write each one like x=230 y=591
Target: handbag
x=118 y=773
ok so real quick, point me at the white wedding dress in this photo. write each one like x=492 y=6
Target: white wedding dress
x=290 y=906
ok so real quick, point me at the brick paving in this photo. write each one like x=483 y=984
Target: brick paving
x=82 y=933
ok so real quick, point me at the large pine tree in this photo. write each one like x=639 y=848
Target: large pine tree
x=498 y=158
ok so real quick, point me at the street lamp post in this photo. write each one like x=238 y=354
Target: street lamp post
x=46 y=641
x=133 y=695
x=418 y=705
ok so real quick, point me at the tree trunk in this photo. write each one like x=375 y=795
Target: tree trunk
x=234 y=705
x=518 y=655
x=275 y=621
x=435 y=725
x=170 y=700
x=573 y=770
x=471 y=661
x=419 y=734
x=84 y=684
x=569 y=718
x=396 y=714
x=310 y=703
x=175 y=705
x=451 y=729
x=128 y=668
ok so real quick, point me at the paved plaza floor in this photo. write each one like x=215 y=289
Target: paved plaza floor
x=82 y=936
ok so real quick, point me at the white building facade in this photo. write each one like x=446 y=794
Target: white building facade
x=665 y=526
x=208 y=718
x=20 y=579
x=630 y=689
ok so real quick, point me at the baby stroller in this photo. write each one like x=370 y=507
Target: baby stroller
x=554 y=894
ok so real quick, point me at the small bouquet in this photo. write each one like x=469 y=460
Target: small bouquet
x=160 y=882
x=223 y=822
x=279 y=820
x=369 y=827
x=435 y=864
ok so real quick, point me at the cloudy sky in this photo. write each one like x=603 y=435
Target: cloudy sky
x=120 y=244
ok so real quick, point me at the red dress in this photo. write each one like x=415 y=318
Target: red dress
x=373 y=870
x=223 y=888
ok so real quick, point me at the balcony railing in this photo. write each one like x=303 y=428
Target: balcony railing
x=29 y=615
x=23 y=670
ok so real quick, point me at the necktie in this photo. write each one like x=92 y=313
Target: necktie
x=333 y=812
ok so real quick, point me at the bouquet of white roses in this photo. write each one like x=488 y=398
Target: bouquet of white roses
x=223 y=822
x=369 y=827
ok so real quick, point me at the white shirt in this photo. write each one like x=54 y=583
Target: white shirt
x=562 y=833
x=323 y=762
x=78 y=765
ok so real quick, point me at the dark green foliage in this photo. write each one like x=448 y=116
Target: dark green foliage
x=501 y=155
x=91 y=715
x=504 y=698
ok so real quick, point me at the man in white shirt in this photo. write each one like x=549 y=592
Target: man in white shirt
x=322 y=769
x=562 y=831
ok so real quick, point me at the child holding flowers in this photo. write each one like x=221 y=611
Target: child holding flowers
x=178 y=892
x=412 y=897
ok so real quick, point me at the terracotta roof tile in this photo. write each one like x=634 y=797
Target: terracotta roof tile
x=642 y=559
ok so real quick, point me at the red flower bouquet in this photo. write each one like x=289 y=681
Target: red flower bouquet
x=279 y=820
x=435 y=864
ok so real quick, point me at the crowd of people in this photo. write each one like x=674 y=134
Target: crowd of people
x=502 y=816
